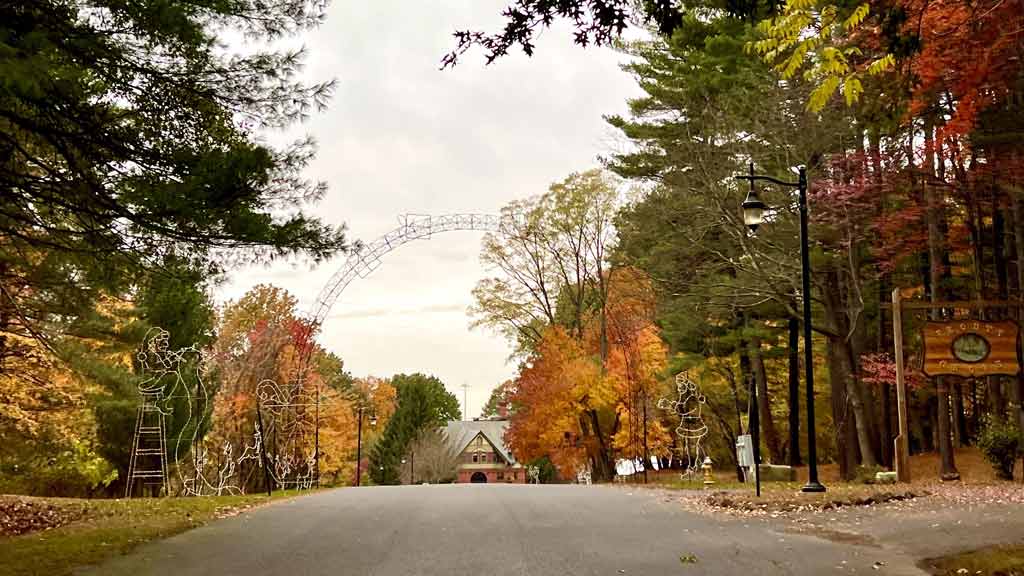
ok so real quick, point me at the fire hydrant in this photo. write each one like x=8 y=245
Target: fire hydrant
x=709 y=479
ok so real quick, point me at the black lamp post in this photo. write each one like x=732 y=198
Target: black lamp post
x=753 y=216
x=359 y=440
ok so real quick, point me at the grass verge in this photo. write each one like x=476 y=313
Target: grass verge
x=106 y=528
x=995 y=561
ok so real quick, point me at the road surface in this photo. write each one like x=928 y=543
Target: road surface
x=494 y=530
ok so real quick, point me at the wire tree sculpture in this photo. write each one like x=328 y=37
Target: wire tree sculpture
x=692 y=429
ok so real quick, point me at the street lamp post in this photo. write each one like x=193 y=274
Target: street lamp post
x=753 y=216
x=359 y=440
x=359 y=444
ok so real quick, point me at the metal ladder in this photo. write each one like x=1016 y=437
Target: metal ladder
x=149 y=447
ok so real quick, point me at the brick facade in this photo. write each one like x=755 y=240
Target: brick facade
x=508 y=476
x=483 y=454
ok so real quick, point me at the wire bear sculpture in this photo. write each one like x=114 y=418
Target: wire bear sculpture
x=692 y=429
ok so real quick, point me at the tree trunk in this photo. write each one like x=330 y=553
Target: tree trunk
x=883 y=331
x=841 y=415
x=887 y=438
x=843 y=357
x=936 y=243
x=959 y=420
x=975 y=412
x=604 y=467
x=996 y=399
x=770 y=433
x=1017 y=385
x=921 y=426
x=948 y=469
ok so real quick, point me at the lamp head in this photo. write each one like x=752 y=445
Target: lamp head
x=753 y=209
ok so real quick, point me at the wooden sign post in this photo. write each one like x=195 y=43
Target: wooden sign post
x=968 y=348
x=902 y=441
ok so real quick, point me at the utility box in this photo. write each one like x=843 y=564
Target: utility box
x=745 y=451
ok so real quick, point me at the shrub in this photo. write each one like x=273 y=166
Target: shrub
x=1001 y=443
x=866 y=474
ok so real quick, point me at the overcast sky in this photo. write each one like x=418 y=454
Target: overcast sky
x=401 y=136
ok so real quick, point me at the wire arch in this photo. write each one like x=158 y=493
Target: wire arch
x=366 y=258
x=360 y=263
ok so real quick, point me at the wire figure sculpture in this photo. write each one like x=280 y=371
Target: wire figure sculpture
x=174 y=388
x=149 y=446
x=691 y=429
x=166 y=375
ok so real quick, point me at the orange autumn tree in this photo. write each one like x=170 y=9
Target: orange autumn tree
x=261 y=338
x=48 y=440
x=583 y=411
x=559 y=394
x=634 y=365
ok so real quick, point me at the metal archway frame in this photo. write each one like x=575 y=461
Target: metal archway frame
x=367 y=257
x=361 y=262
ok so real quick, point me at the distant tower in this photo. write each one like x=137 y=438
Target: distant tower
x=465 y=400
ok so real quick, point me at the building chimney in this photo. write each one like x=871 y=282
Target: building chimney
x=503 y=410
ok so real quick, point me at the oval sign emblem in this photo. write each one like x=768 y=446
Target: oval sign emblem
x=970 y=347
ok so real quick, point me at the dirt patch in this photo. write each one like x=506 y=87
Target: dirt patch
x=23 y=514
x=784 y=503
x=841 y=537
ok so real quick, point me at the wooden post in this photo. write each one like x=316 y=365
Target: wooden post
x=902 y=441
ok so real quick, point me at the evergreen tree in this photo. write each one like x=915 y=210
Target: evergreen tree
x=422 y=404
x=128 y=138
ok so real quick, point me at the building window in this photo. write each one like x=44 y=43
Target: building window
x=501 y=475
x=474 y=457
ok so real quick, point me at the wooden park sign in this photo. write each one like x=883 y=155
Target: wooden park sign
x=971 y=348
x=959 y=347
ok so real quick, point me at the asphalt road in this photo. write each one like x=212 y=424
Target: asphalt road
x=454 y=530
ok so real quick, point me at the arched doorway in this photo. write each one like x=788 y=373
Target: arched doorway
x=478 y=478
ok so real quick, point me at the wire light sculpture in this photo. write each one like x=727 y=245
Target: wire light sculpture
x=692 y=429
x=176 y=380
x=533 y=473
x=166 y=376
